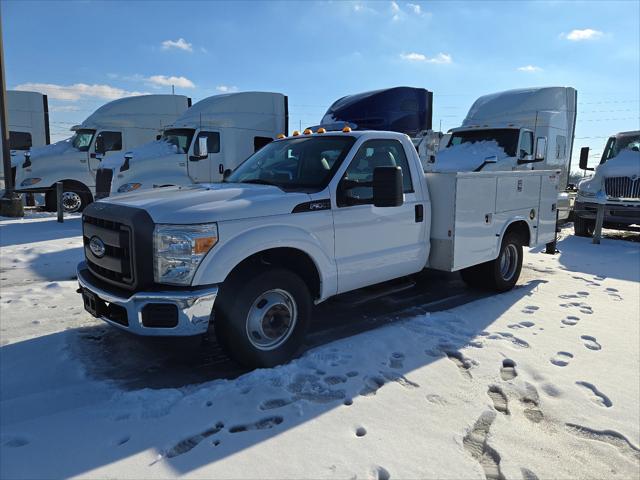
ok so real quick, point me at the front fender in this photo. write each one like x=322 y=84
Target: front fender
x=241 y=242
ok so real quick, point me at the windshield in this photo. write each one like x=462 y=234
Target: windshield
x=82 y=139
x=180 y=137
x=304 y=162
x=617 y=144
x=506 y=138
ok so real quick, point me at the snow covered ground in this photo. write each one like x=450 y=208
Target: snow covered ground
x=540 y=382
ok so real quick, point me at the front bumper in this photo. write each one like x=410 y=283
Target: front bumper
x=614 y=213
x=127 y=310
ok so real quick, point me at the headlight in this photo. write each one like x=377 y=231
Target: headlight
x=30 y=181
x=128 y=187
x=179 y=249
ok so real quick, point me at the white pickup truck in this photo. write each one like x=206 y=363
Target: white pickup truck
x=305 y=218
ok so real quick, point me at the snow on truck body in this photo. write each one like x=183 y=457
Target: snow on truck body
x=305 y=218
x=116 y=126
x=615 y=183
x=233 y=126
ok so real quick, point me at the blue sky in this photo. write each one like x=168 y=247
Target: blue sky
x=85 y=53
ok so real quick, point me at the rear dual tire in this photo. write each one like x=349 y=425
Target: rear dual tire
x=500 y=274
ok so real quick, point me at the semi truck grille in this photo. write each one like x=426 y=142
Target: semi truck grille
x=121 y=253
x=104 y=176
x=622 y=187
x=114 y=261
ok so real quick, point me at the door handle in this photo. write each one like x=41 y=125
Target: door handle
x=221 y=169
x=419 y=213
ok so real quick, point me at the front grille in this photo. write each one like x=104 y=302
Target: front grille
x=127 y=235
x=622 y=187
x=104 y=176
x=116 y=264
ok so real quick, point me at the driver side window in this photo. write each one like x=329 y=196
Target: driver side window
x=526 y=144
x=356 y=186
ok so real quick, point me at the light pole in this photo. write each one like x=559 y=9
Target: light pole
x=10 y=203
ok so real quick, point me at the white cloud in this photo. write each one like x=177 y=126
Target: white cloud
x=440 y=58
x=585 y=34
x=529 y=69
x=417 y=9
x=180 y=44
x=395 y=8
x=226 y=88
x=77 y=91
x=165 y=81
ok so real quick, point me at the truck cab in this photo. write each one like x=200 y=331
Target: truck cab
x=615 y=184
x=116 y=126
x=28 y=125
x=212 y=137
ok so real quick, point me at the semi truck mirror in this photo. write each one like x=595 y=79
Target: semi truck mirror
x=541 y=148
x=202 y=147
x=100 y=147
x=387 y=187
x=584 y=158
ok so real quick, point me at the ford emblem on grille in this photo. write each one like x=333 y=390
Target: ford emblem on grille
x=97 y=247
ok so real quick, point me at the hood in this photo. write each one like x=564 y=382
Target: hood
x=211 y=202
x=625 y=164
x=151 y=150
x=63 y=148
x=466 y=157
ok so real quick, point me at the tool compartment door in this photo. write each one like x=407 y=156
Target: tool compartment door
x=548 y=209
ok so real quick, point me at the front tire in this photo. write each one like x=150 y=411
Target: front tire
x=261 y=318
x=583 y=227
x=74 y=199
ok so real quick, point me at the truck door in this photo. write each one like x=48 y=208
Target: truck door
x=205 y=168
x=374 y=244
x=105 y=144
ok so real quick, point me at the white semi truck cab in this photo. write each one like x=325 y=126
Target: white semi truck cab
x=531 y=128
x=615 y=184
x=28 y=125
x=115 y=127
x=210 y=138
x=305 y=218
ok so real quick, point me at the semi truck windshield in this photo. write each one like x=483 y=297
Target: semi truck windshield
x=507 y=138
x=180 y=137
x=82 y=139
x=616 y=144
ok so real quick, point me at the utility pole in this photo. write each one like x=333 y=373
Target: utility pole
x=11 y=202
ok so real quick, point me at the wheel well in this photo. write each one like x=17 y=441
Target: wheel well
x=75 y=185
x=521 y=229
x=289 y=258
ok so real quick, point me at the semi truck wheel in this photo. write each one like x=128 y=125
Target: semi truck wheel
x=261 y=318
x=583 y=227
x=74 y=199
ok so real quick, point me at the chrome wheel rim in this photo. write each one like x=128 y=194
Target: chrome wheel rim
x=71 y=201
x=508 y=262
x=271 y=319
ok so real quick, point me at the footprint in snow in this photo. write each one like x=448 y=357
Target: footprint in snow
x=525 y=324
x=590 y=342
x=379 y=473
x=508 y=370
x=598 y=397
x=499 y=399
x=561 y=359
x=581 y=306
x=360 y=432
x=530 y=309
x=613 y=293
x=264 y=424
x=531 y=401
x=570 y=320
x=397 y=360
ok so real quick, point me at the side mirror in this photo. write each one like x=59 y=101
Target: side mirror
x=226 y=173
x=541 y=149
x=100 y=147
x=387 y=187
x=584 y=158
x=158 y=137
x=201 y=147
x=126 y=164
